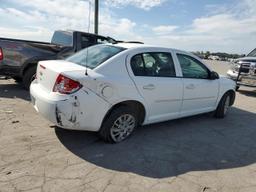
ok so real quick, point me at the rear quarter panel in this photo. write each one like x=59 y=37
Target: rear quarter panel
x=114 y=74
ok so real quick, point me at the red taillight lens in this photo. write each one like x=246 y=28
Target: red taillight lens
x=66 y=85
x=1 y=54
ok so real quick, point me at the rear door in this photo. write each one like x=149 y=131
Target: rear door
x=154 y=74
x=200 y=92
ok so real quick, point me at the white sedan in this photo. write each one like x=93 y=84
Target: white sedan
x=114 y=88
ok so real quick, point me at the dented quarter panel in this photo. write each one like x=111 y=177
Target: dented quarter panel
x=76 y=111
x=68 y=112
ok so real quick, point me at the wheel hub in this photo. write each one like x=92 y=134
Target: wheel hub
x=122 y=127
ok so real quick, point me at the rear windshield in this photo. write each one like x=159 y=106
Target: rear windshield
x=62 y=38
x=93 y=56
x=252 y=54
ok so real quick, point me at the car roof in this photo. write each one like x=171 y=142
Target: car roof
x=134 y=45
x=139 y=45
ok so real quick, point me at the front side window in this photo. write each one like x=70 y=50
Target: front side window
x=192 y=68
x=93 y=56
x=153 y=64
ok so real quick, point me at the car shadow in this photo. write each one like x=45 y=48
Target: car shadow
x=247 y=92
x=11 y=89
x=172 y=148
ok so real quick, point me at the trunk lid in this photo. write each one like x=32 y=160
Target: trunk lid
x=48 y=71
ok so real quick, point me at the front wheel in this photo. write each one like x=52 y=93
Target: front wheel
x=223 y=106
x=119 y=125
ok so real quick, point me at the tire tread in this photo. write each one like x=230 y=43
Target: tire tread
x=104 y=131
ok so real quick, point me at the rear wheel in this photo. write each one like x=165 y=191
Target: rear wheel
x=119 y=125
x=28 y=77
x=223 y=106
x=17 y=79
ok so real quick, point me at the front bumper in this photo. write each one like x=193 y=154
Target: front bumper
x=82 y=110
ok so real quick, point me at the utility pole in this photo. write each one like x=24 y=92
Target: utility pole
x=96 y=16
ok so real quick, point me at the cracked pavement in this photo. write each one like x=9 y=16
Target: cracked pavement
x=195 y=154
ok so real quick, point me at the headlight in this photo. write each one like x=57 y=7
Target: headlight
x=235 y=67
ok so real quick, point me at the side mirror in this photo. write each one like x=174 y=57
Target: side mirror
x=214 y=75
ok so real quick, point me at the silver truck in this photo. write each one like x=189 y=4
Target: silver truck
x=243 y=70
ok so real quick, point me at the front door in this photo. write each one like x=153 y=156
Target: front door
x=200 y=92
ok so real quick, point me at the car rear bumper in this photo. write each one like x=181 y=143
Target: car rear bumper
x=82 y=110
x=44 y=103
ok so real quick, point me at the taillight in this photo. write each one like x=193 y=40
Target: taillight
x=1 y=54
x=66 y=85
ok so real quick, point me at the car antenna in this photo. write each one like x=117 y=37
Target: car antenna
x=88 y=30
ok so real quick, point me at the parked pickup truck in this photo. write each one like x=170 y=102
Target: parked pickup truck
x=19 y=58
x=243 y=70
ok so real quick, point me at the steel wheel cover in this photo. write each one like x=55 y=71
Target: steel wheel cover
x=122 y=127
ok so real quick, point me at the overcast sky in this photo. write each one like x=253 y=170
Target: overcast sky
x=214 y=25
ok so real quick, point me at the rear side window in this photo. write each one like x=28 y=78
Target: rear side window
x=93 y=56
x=62 y=38
x=192 y=68
x=153 y=64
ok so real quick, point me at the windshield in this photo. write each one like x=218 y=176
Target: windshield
x=93 y=56
x=252 y=54
x=62 y=38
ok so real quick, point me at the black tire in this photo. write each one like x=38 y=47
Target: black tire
x=221 y=111
x=28 y=77
x=108 y=124
x=17 y=79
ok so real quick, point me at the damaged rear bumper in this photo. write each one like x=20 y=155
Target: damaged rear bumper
x=77 y=111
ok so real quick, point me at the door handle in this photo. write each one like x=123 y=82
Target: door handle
x=190 y=86
x=149 y=87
